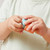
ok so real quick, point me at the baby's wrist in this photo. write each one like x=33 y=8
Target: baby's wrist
x=45 y=33
x=6 y=22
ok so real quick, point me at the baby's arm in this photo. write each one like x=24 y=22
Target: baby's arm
x=4 y=31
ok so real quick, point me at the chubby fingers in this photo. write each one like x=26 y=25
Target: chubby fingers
x=28 y=17
x=17 y=25
x=36 y=25
x=16 y=29
x=32 y=24
x=17 y=19
x=30 y=21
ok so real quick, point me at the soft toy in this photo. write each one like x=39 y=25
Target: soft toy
x=25 y=26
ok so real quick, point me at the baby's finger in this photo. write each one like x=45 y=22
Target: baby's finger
x=28 y=17
x=11 y=27
x=18 y=30
x=15 y=29
x=30 y=21
x=16 y=19
x=32 y=24
x=35 y=27
x=18 y=25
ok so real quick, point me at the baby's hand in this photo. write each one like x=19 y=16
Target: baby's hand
x=14 y=24
x=37 y=25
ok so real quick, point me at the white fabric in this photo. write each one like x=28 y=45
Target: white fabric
x=26 y=41
x=1 y=42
